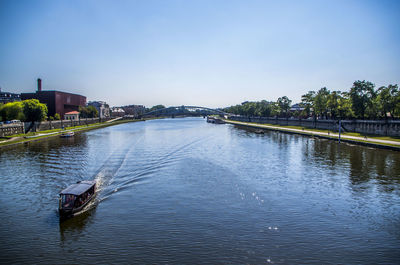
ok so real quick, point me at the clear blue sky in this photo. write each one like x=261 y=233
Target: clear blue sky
x=208 y=53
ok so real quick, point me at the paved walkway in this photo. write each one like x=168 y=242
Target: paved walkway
x=305 y=131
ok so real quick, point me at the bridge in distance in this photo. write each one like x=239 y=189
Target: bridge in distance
x=184 y=110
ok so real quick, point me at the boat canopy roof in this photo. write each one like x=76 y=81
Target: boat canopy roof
x=79 y=188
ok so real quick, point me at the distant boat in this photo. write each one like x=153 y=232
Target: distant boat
x=259 y=131
x=74 y=198
x=67 y=134
x=215 y=120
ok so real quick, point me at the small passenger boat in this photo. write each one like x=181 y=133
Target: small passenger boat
x=67 y=134
x=74 y=198
x=259 y=131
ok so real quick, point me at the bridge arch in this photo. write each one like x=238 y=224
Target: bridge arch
x=189 y=108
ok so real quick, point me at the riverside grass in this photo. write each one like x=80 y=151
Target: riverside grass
x=20 y=138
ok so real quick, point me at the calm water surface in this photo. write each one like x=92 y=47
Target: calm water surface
x=183 y=191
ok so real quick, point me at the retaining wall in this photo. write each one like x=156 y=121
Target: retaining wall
x=11 y=129
x=23 y=127
x=378 y=127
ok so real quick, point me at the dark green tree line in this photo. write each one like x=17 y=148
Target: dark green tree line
x=26 y=110
x=362 y=101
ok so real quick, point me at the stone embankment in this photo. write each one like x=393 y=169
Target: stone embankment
x=24 y=127
x=368 y=141
x=378 y=127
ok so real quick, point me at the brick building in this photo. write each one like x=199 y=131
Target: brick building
x=56 y=101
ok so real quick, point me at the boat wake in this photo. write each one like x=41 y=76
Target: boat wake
x=146 y=166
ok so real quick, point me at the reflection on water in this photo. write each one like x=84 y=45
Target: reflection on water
x=185 y=191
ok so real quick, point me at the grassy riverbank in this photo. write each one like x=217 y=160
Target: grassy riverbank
x=35 y=136
x=354 y=138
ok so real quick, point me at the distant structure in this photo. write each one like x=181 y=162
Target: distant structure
x=296 y=107
x=6 y=97
x=117 y=112
x=72 y=115
x=102 y=107
x=135 y=110
x=56 y=101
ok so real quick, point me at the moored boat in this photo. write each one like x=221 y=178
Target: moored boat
x=74 y=198
x=67 y=134
x=211 y=119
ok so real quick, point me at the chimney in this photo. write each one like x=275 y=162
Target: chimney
x=39 y=85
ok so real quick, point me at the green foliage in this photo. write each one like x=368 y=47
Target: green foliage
x=307 y=102
x=388 y=100
x=88 y=112
x=362 y=97
x=320 y=102
x=157 y=107
x=34 y=110
x=262 y=109
x=344 y=106
x=57 y=117
x=283 y=104
x=362 y=102
x=12 y=111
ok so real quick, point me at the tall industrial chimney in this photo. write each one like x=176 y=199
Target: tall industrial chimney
x=39 y=84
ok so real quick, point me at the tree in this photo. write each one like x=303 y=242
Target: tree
x=387 y=99
x=157 y=107
x=88 y=112
x=283 y=105
x=320 y=102
x=332 y=104
x=263 y=108
x=344 y=106
x=249 y=108
x=307 y=102
x=12 y=111
x=93 y=112
x=34 y=110
x=361 y=95
x=57 y=117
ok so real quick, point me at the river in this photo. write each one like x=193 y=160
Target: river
x=183 y=191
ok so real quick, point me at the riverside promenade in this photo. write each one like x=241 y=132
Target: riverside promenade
x=363 y=140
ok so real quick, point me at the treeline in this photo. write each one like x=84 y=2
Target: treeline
x=88 y=112
x=26 y=110
x=362 y=101
x=33 y=110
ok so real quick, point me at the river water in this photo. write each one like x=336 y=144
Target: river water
x=182 y=191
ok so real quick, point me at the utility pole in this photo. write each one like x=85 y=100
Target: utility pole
x=340 y=129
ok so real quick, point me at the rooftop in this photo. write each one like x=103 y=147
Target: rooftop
x=79 y=188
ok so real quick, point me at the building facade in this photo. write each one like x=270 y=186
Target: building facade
x=6 y=97
x=117 y=112
x=72 y=115
x=135 y=110
x=102 y=107
x=56 y=101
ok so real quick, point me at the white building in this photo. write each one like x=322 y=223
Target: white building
x=117 y=112
x=102 y=107
x=72 y=115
